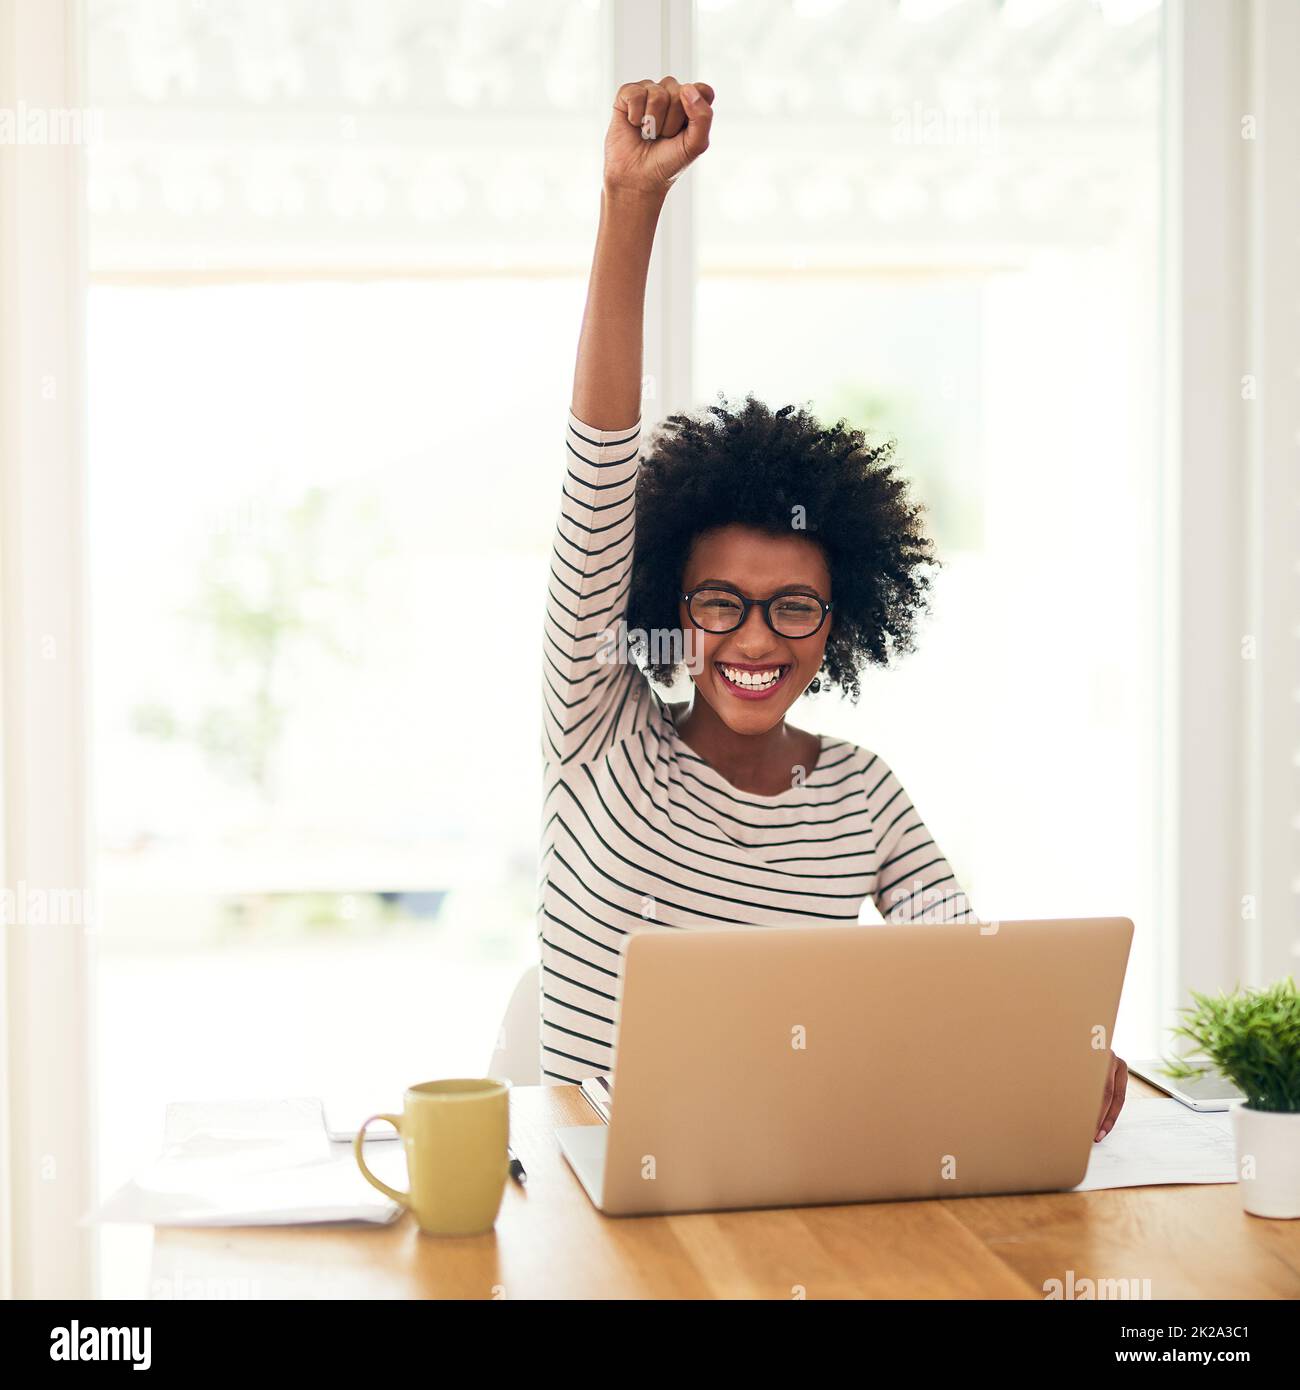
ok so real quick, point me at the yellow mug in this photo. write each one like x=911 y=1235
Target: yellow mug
x=455 y=1134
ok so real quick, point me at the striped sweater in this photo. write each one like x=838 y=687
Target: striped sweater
x=638 y=832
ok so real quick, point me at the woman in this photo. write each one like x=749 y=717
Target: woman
x=781 y=555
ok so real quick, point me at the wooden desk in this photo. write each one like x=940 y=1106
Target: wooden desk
x=549 y=1242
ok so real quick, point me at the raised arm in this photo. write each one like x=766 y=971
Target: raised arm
x=589 y=700
x=639 y=171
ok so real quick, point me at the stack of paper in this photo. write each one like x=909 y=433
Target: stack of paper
x=1162 y=1141
x=254 y=1163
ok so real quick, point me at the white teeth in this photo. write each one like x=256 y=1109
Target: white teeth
x=752 y=680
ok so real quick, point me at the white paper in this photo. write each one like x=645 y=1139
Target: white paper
x=254 y=1163
x=1162 y=1141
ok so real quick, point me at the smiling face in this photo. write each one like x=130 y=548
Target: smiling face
x=751 y=676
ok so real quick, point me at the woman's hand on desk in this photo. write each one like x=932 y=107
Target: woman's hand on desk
x=1112 y=1100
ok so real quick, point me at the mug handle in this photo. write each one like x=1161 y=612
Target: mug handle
x=401 y=1198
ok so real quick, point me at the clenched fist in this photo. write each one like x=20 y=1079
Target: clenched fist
x=656 y=130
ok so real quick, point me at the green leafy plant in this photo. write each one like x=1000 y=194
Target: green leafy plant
x=1252 y=1037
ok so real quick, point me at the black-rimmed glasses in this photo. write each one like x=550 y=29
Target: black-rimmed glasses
x=716 y=609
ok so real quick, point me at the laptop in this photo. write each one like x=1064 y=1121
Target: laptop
x=773 y=1067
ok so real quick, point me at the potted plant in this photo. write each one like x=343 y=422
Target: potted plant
x=1253 y=1038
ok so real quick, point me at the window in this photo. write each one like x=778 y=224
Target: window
x=336 y=251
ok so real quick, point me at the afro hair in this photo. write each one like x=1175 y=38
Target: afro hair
x=782 y=471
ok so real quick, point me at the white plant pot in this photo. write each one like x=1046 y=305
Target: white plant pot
x=1268 y=1160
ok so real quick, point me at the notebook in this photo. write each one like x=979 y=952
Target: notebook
x=254 y=1163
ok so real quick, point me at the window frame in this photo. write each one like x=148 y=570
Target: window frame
x=46 y=972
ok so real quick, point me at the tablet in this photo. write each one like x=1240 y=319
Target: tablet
x=1213 y=1091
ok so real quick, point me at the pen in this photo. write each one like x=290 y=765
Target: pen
x=516 y=1168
